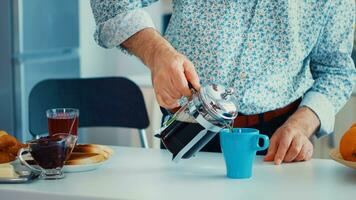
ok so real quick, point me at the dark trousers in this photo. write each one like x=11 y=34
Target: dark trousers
x=266 y=128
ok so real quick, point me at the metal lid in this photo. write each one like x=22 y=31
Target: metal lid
x=219 y=101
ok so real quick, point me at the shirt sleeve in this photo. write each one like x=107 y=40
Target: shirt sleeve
x=332 y=67
x=117 y=20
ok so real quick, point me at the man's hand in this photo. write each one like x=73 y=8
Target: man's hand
x=291 y=141
x=171 y=71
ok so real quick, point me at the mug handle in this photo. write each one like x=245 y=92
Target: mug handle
x=23 y=161
x=265 y=142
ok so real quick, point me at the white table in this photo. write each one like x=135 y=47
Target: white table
x=134 y=173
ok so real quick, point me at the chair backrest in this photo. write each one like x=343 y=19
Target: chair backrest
x=102 y=102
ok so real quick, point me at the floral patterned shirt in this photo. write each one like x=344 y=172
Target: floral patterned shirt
x=271 y=51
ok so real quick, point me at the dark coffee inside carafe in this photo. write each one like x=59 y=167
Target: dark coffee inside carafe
x=182 y=131
x=178 y=134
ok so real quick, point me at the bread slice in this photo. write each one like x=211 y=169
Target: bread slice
x=7 y=171
x=94 y=148
x=88 y=154
x=85 y=158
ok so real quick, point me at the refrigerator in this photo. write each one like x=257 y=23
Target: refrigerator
x=41 y=40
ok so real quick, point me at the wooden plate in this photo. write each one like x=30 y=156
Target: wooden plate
x=335 y=155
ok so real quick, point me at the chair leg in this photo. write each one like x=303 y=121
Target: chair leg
x=143 y=138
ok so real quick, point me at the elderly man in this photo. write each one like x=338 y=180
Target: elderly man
x=289 y=61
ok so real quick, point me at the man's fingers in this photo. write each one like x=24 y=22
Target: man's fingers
x=191 y=75
x=294 y=149
x=306 y=152
x=166 y=101
x=181 y=84
x=309 y=150
x=283 y=147
x=301 y=155
x=173 y=91
x=170 y=77
x=271 y=149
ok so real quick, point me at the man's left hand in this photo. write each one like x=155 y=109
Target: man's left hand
x=291 y=142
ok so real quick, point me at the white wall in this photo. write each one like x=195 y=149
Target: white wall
x=96 y=61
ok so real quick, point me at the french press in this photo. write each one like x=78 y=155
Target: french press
x=208 y=111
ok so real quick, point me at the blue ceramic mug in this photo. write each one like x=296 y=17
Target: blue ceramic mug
x=239 y=149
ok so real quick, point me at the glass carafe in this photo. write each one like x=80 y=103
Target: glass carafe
x=189 y=129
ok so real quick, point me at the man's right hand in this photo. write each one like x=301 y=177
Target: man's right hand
x=171 y=71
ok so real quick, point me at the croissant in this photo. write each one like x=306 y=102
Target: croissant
x=6 y=157
x=6 y=140
x=9 y=147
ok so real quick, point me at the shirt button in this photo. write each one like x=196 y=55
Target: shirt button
x=243 y=75
x=249 y=45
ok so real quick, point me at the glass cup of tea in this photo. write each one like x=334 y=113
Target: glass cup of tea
x=63 y=120
x=50 y=154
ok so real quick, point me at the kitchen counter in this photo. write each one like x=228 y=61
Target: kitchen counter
x=136 y=173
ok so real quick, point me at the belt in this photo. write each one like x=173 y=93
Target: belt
x=253 y=120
